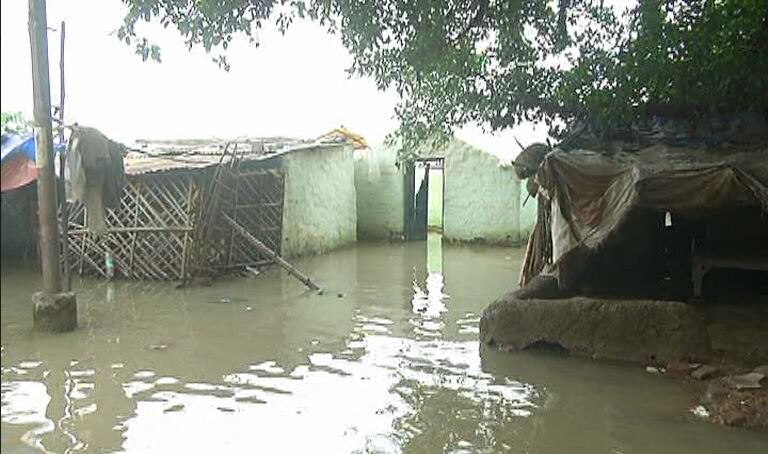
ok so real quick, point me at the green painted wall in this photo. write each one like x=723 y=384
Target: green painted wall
x=379 y=184
x=481 y=199
x=320 y=201
x=435 y=216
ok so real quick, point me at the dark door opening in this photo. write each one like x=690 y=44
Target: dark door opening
x=425 y=185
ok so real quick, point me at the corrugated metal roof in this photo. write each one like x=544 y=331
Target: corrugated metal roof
x=153 y=156
x=137 y=164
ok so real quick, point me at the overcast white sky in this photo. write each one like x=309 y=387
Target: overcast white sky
x=293 y=85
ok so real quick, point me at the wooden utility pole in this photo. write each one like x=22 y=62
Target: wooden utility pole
x=62 y=163
x=52 y=310
x=46 y=177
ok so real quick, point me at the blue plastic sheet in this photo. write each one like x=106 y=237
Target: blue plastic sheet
x=13 y=144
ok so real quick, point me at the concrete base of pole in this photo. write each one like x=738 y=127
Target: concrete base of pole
x=54 y=313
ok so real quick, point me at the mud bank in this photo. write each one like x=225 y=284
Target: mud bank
x=641 y=331
x=728 y=394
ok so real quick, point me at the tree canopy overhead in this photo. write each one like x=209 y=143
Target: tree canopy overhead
x=499 y=62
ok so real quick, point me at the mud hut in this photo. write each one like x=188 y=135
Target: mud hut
x=630 y=231
x=480 y=197
x=650 y=223
x=296 y=198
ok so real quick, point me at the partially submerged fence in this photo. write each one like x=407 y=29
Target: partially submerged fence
x=164 y=228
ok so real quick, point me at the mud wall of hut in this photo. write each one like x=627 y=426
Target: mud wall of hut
x=320 y=211
x=482 y=199
x=379 y=184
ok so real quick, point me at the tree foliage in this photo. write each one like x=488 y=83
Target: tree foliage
x=14 y=122
x=497 y=62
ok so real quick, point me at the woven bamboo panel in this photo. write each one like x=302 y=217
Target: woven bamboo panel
x=257 y=205
x=148 y=235
x=169 y=224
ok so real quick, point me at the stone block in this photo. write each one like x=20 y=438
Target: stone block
x=54 y=313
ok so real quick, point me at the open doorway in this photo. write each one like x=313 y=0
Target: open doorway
x=424 y=198
x=427 y=185
x=435 y=210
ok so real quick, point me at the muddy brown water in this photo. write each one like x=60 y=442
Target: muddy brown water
x=385 y=360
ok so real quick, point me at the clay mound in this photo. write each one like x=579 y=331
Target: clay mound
x=643 y=331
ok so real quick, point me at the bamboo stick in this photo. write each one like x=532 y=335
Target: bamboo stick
x=186 y=234
x=62 y=164
x=234 y=216
x=138 y=229
x=292 y=270
x=137 y=188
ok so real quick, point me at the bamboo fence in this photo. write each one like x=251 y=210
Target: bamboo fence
x=167 y=226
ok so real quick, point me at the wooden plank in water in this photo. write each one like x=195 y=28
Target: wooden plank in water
x=292 y=270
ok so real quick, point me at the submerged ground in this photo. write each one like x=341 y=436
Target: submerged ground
x=386 y=360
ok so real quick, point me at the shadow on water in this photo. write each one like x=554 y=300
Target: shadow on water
x=386 y=360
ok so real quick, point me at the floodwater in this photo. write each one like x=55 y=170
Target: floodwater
x=386 y=360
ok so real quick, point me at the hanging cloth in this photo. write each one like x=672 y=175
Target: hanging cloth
x=95 y=174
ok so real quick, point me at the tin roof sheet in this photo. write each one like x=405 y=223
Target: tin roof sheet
x=154 y=156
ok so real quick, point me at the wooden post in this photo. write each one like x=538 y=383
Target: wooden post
x=46 y=180
x=236 y=175
x=52 y=310
x=292 y=270
x=62 y=163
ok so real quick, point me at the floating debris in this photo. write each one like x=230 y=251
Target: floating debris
x=253 y=271
x=704 y=372
x=700 y=411
x=678 y=369
x=745 y=381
